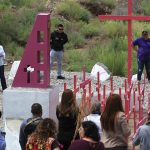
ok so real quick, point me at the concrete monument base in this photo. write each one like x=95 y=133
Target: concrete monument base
x=17 y=102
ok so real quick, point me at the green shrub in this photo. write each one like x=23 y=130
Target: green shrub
x=98 y=7
x=14 y=51
x=145 y=4
x=77 y=40
x=71 y=10
x=113 y=28
x=89 y=30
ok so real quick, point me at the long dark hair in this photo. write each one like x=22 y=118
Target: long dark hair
x=113 y=106
x=68 y=103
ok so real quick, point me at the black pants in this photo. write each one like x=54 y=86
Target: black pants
x=2 y=77
x=141 y=65
x=118 y=148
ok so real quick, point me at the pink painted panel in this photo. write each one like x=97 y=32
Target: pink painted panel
x=34 y=68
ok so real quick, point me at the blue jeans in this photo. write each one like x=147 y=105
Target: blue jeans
x=141 y=64
x=58 y=55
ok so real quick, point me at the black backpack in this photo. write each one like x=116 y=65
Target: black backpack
x=31 y=125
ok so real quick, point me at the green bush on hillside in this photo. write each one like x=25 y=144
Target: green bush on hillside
x=77 y=40
x=71 y=10
x=145 y=5
x=88 y=30
x=98 y=7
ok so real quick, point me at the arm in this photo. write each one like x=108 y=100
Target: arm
x=135 y=48
x=2 y=53
x=51 y=38
x=64 y=39
x=135 y=44
x=22 y=138
x=137 y=138
x=124 y=125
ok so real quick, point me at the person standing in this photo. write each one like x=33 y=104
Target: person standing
x=67 y=113
x=2 y=76
x=114 y=123
x=43 y=138
x=58 y=39
x=142 y=135
x=36 y=110
x=142 y=47
x=95 y=116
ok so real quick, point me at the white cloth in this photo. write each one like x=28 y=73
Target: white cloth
x=96 y=119
x=2 y=55
x=104 y=75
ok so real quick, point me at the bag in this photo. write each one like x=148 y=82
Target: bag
x=31 y=126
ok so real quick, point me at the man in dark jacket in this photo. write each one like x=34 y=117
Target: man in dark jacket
x=36 y=110
x=58 y=39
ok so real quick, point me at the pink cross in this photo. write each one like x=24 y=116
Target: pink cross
x=128 y=18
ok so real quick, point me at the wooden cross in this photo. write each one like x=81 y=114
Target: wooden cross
x=128 y=18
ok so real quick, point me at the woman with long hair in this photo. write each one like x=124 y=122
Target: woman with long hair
x=67 y=113
x=114 y=124
x=89 y=138
x=43 y=138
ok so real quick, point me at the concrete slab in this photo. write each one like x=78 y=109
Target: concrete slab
x=17 y=101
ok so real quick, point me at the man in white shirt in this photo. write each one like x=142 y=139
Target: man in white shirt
x=2 y=76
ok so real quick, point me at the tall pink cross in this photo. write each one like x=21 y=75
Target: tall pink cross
x=128 y=18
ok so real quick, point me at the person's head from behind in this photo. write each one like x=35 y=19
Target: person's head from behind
x=46 y=128
x=113 y=106
x=36 y=110
x=145 y=34
x=60 y=28
x=68 y=102
x=89 y=129
x=95 y=109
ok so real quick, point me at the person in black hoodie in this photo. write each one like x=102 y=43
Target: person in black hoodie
x=58 y=39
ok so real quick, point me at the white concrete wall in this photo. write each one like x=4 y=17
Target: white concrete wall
x=17 y=102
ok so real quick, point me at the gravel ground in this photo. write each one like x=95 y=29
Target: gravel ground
x=118 y=82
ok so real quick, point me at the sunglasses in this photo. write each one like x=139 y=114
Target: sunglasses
x=60 y=29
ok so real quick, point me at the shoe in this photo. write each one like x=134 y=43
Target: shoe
x=60 y=77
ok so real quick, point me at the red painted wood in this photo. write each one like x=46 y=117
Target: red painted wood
x=128 y=18
x=125 y=18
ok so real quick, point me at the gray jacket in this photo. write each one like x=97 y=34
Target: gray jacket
x=2 y=55
x=119 y=137
x=142 y=137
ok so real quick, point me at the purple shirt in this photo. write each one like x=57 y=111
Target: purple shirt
x=143 y=48
x=85 y=145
